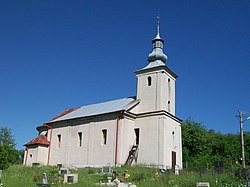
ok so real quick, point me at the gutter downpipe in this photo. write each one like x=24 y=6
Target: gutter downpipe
x=49 y=142
x=116 y=139
x=26 y=156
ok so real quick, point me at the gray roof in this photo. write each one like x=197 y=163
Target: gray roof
x=100 y=108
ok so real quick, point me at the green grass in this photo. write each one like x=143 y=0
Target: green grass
x=18 y=175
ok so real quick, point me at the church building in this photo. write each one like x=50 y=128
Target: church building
x=140 y=130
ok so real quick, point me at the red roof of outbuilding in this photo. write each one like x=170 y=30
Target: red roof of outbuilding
x=39 y=140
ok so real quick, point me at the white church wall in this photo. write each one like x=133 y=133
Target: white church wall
x=126 y=139
x=159 y=94
x=146 y=93
x=71 y=153
x=31 y=156
x=166 y=92
x=107 y=151
x=148 y=146
x=157 y=141
x=173 y=141
x=42 y=155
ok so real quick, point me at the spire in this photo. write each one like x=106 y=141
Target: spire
x=157 y=56
x=158 y=28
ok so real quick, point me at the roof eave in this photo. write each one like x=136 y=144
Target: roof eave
x=156 y=69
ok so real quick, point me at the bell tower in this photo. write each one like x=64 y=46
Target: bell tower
x=156 y=82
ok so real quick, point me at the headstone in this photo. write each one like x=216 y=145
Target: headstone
x=248 y=183
x=63 y=171
x=71 y=178
x=43 y=185
x=106 y=170
x=245 y=173
x=44 y=178
x=202 y=184
x=218 y=166
x=176 y=169
x=1 y=172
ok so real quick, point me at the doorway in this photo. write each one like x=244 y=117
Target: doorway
x=173 y=159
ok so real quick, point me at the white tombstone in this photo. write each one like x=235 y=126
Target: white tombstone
x=45 y=181
x=70 y=178
x=203 y=184
x=176 y=169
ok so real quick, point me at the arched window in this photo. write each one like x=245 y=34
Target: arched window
x=104 y=136
x=59 y=136
x=149 y=81
x=79 y=139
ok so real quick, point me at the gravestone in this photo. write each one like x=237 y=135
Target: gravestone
x=1 y=172
x=218 y=167
x=43 y=185
x=245 y=174
x=64 y=171
x=248 y=183
x=44 y=178
x=202 y=184
x=71 y=178
x=176 y=169
x=106 y=170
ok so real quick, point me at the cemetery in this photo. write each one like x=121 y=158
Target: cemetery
x=126 y=176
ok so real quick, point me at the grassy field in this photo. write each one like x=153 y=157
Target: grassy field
x=21 y=176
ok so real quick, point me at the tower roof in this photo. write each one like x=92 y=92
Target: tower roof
x=157 y=56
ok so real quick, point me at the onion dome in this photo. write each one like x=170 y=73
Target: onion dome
x=157 y=52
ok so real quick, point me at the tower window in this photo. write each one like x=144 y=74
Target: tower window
x=79 y=139
x=149 y=81
x=104 y=136
x=59 y=137
x=168 y=106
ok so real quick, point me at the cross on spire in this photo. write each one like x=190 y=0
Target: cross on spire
x=158 y=27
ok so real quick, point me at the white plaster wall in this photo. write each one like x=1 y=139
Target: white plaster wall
x=92 y=152
x=104 y=154
x=126 y=139
x=146 y=94
x=166 y=92
x=157 y=141
x=32 y=150
x=173 y=141
x=148 y=146
x=156 y=96
x=42 y=155
x=59 y=155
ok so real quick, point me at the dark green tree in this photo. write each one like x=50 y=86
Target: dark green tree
x=8 y=154
x=202 y=147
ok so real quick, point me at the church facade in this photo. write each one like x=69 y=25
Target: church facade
x=140 y=130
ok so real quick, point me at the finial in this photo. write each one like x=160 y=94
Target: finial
x=158 y=27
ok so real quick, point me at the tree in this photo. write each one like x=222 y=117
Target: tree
x=202 y=147
x=8 y=154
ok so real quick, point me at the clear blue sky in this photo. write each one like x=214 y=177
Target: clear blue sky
x=60 y=54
